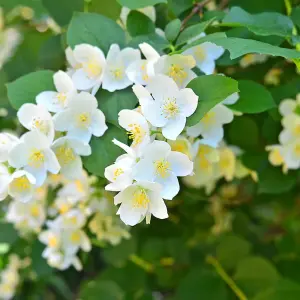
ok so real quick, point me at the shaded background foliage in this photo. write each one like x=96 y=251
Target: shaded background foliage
x=191 y=255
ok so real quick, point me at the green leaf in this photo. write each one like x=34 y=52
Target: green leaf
x=62 y=10
x=231 y=250
x=39 y=264
x=271 y=180
x=179 y=6
x=157 y=42
x=26 y=88
x=135 y=4
x=254 y=98
x=111 y=11
x=172 y=30
x=265 y=24
x=138 y=24
x=244 y=133
x=52 y=55
x=96 y=30
x=238 y=46
x=100 y=289
x=201 y=284
x=112 y=103
x=8 y=234
x=209 y=96
x=256 y=6
x=296 y=16
x=255 y=273
x=192 y=32
x=104 y=152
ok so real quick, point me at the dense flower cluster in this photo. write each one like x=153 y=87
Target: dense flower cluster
x=287 y=153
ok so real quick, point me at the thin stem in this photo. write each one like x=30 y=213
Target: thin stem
x=218 y=267
x=197 y=8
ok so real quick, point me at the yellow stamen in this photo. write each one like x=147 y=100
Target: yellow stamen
x=297 y=150
x=93 y=69
x=136 y=134
x=297 y=130
x=79 y=186
x=52 y=241
x=75 y=237
x=209 y=118
x=84 y=120
x=21 y=184
x=200 y=53
x=276 y=158
x=140 y=199
x=162 y=168
x=36 y=158
x=170 y=108
x=65 y=155
x=118 y=73
x=64 y=208
x=61 y=97
x=177 y=73
x=117 y=173
x=35 y=211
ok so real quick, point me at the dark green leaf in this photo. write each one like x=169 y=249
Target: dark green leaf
x=261 y=24
x=192 y=32
x=104 y=152
x=209 y=96
x=256 y=6
x=112 y=103
x=52 y=55
x=62 y=10
x=26 y=88
x=179 y=6
x=254 y=98
x=7 y=233
x=157 y=42
x=39 y=264
x=96 y=30
x=135 y=4
x=139 y=24
x=112 y=10
x=296 y=16
x=172 y=30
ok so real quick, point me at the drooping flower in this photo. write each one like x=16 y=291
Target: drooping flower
x=276 y=156
x=291 y=154
x=36 y=117
x=205 y=56
x=92 y=67
x=68 y=151
x=290 y=106
x=81 y=119
x=291 y=128
x=117 y=61
x=4 y=181
x=140 y=200
x=34 y=154
x=168 y=107
x=58 y=101
x=176 y=66
x=210 y=126
x=160 y=164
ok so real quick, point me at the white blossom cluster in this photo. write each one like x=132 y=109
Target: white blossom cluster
x=287 y=153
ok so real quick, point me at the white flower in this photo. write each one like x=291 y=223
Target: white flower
x=90 y=74
x=137 y=128
x=4 y=181
x=205 y=55
x=22 y=186
x=35 y=156
x=7 y=142
x=81 y=119
x=141 y=199
x=68 y=151
x=176 y=66
x=58 y=101
x=73 y=240
x=71 y=220
x=289 y=106
x=291 y=154
x=36 y=117
x=142 y=70
x=160 y=164
x=252 y=58
x=211 y=125
x=51 y=238
x=276 y=156
x=169 y=106
x=117 y=61
x=232 y=99
x=291 y=131
x=73 y=65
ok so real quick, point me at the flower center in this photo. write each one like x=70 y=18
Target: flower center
x=84 y=120
x=61 y=98
x=136 y=134
x=79 y=186
x=21 y=184
x=200 y=53
x=75 y=237
x=39 y=124
x=36 y=159
x=140 y=199
x=35 y=211
x=276 y=158
x=297 y=130
x=117 y=173
x=52 y=241
x=177 y=73
x=93 y=69
x=162 y=168
x=297 y=150
x=65 y=155
x=118 y=73
x=170 y=108
x=209 y=118
x=204 y=164
x=64 y=208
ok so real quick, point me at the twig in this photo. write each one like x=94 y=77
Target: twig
x=198 y=6
x=238 y=292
